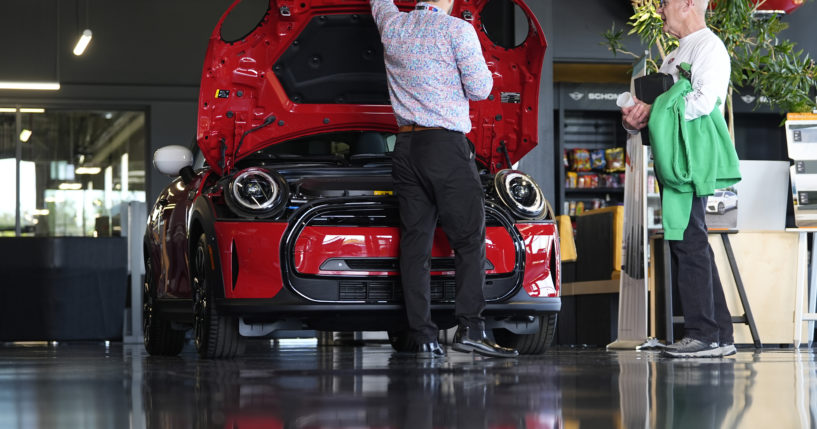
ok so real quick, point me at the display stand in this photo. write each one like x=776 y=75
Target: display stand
x=663 y=266
x=632 y=304
x=801 y=142
x=134 y=219
x=804 y=283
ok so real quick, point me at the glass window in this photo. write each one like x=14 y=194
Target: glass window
x=77 y=168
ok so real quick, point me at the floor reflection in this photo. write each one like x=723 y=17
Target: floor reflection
x=306 y=386
x=364 y=387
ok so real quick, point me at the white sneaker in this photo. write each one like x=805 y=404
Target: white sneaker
x=728 y=349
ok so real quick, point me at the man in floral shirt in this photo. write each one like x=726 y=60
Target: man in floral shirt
x=435 y=66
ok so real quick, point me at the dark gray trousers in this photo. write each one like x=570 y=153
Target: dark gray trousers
x=435 y=178
x=695 y=277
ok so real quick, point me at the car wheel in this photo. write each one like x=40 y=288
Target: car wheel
x=529 y=344
x=401 y=341
x=721 y=209
x=215 y=334
x=159 y=337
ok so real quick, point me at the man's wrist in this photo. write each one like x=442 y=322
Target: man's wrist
x=631 y=131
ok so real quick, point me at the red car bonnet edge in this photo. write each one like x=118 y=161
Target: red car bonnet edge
x=316 y=66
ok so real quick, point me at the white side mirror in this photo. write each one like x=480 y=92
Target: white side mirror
x=170 y=159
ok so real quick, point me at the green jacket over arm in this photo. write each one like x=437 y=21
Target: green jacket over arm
x=690 y=157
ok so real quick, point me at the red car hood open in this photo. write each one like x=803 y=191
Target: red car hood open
x=316 y=66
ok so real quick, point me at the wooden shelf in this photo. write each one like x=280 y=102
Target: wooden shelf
x=589 y=288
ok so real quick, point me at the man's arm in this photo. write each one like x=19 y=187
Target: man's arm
x=711 y=69
x=382 y=10
x=474 y=74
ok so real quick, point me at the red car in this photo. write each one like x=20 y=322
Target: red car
x=288 y=222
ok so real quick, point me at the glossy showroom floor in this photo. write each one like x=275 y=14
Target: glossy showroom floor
x=301 y=385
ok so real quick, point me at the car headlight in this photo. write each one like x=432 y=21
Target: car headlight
x=256 y=192
x=520 y=193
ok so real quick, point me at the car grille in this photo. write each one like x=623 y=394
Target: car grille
x=386 y=264
x=388 y=290
x=334 y=287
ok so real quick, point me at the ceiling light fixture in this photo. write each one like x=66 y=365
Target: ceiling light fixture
x=25 y=135
x=70 y=186
x=88 y=170
x=83 y=42
x=22 y=110
x=38 y=86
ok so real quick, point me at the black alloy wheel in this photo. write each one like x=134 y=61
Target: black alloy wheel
x=159 y=337
x=215 y=334
x=721 y=209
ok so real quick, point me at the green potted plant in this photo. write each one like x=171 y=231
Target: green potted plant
x=781 y=76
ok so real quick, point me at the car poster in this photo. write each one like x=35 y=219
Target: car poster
x=801 y=137
x=722 y=209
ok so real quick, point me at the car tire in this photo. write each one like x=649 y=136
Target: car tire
x=529 y=344
x=216 y=335
x=159 y=336
x=401 y=341
x=721 y=209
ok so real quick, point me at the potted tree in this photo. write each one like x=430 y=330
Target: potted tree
x=780 y=75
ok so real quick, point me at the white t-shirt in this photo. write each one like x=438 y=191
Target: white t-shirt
x=711 y=69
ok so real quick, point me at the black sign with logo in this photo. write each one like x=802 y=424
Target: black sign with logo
x=585 y=96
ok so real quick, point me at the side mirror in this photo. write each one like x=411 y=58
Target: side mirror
x=172 y=159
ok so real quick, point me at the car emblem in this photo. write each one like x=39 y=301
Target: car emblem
x=576 y=95
x=748 y=99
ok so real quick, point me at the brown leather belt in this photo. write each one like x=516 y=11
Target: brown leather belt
x=415 y=127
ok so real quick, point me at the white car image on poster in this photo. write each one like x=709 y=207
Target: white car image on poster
x=721 y=209
x=721 y=201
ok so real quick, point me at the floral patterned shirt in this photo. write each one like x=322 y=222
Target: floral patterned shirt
x=434 y=65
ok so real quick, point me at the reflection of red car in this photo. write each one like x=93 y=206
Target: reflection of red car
x=290 y=223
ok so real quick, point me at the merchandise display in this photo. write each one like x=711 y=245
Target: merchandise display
x=598 y=171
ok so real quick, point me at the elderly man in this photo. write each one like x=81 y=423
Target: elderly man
x=435 y=65
x=707 y=321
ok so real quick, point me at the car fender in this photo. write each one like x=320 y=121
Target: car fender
x=202 y=219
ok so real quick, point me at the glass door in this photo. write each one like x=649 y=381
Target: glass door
x=72 y=170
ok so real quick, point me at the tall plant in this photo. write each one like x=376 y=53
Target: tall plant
x=781 y=76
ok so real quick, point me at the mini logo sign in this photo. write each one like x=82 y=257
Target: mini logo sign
x=594 y=96
x=748 y=99
x=602 y=96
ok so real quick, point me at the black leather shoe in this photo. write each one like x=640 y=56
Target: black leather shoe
x=467 y=340
x=430 y=350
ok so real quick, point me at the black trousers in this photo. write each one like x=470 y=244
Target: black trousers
x=695 y=277
x=435 y=178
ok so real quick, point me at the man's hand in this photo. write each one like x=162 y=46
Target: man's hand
x=635 y=117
